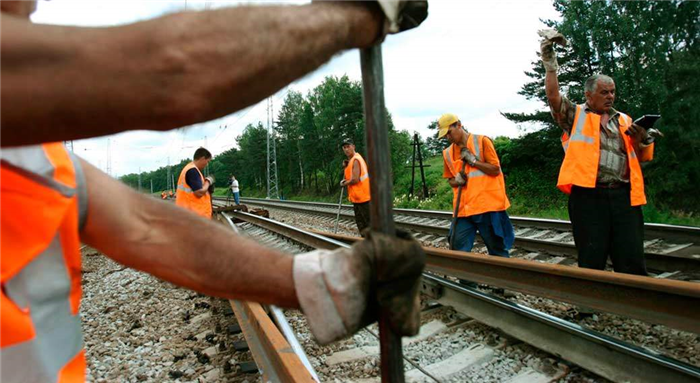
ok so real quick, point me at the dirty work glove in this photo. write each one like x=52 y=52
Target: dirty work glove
x=402 y=15
x=210 y=179
x=467 y=156
x=547 y=54
x=461 y=179
x=340 y=291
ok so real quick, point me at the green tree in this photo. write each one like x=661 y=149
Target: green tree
x=650 y=49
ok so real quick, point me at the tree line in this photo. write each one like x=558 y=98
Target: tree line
x=650 y=49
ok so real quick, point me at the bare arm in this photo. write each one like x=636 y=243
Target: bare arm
x=487 y=168
x=164 y=73
x=203 y=191
x=355 y=173
x=177 y=246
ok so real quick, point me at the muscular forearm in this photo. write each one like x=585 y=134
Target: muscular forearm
x=203 y=191
x=164 y=73
x=175 y=245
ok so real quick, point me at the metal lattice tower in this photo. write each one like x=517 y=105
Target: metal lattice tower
x=272 y=185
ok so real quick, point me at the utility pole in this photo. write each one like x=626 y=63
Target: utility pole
x=139 y=179
x=151 y=185
x=416 y=147
x=272 y=185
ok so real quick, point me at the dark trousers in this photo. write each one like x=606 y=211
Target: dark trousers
x=361 y=215
x=604 y=224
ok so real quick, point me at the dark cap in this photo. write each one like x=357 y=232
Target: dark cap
x=347 y=141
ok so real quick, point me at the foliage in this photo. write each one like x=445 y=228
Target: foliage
x=651 y=50
x=308 y=136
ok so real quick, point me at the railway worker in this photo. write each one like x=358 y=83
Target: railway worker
x=471 y=162
x=152 y=75
x=163 y=195
x=357 y=180
x=193 y=188
x=600 y=172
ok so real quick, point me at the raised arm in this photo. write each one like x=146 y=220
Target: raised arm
x=175 y=245
x=551 y=82
x=167 y=72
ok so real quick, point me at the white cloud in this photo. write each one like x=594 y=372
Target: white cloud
x=468 y=58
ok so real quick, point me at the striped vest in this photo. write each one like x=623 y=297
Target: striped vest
x=44 y=204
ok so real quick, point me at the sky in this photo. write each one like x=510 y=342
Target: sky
x=467 y=58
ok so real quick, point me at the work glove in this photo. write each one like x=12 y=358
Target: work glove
x=210 y=179
x=547 y=54
x=637 y=133
x=461 y=179
x=402 y=15
x=343 y=183
x=341 y=291
x=467 y=156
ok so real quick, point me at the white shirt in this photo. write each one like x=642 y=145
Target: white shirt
x=234 y=186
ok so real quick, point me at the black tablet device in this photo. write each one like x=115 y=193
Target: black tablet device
x=647 y=121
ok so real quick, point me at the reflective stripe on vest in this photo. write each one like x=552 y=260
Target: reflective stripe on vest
x=44 y=202
x=359 y=192
x=483 y=193
x=185 y=195
x=582 y=154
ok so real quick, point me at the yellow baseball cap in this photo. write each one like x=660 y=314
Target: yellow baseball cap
x=444 y=123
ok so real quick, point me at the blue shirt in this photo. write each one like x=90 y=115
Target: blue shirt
x=193 y=180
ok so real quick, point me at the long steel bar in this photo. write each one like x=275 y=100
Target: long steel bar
x=672 y=303
x=603 y=355
x=381 y=205
x=269 y=347
x=654 y=261
x=651 y=230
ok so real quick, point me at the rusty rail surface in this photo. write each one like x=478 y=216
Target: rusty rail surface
x=655 y=261
x=274 y=356
x=672 y=303
x=594 y=351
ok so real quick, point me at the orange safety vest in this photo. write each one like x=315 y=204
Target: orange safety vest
x=483 y=193
x=582 y=154
x=44 y=203
x=185 y=195
x=359 y=192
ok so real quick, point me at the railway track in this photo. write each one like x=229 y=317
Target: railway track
x=671 y=251
x=453 y=342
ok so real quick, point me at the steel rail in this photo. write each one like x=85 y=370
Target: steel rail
x=660 y=301
x=276 y=359
x=603 y=355
x=652 y=230
x=654 y=261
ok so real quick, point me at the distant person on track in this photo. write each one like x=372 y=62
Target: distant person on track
x=357 y=180
x=235 y=190
x=63 y=83
x=471 y=162
x=193 y=188
x=601 y=171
